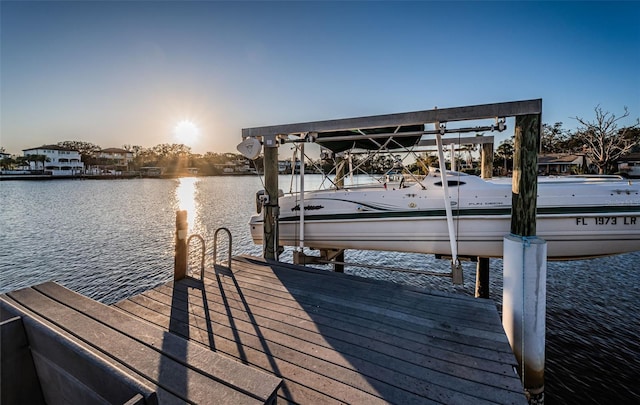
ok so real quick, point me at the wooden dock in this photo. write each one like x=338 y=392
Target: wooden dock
x=336 y=338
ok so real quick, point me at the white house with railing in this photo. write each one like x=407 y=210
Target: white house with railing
x=113 y=160
x=57 y=160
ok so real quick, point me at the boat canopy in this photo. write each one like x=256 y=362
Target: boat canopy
x=337 y=141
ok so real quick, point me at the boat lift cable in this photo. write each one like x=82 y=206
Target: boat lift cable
x=293 y=171
x=455 y=262
x=364 y=161
x=255 y=166
x=386 y=149
x=412 y=152
x=318 y=168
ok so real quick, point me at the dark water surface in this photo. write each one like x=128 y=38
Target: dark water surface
x=113 y=239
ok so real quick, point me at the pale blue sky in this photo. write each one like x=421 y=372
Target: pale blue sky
x=115 y=73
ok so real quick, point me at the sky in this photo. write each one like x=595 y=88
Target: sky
x=117 y=73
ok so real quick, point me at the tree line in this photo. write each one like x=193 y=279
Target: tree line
x=173 y=158
x=601 y=140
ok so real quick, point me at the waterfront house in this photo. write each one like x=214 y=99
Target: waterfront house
x=55 y=160
x=562 y=164
x=284 y=166
x=630 y=165
x=113 y=160
x=235 y=166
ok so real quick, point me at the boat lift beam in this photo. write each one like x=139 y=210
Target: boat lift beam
x=468 y=113
x=361 y=135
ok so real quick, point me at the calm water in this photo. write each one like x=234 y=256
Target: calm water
x=113 y=239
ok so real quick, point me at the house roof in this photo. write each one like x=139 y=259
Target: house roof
x=558 y=158
x=114 y=150
x=51 y=147
x=631 y=157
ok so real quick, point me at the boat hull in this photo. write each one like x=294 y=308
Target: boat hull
x=568 y=236
x=578 y=217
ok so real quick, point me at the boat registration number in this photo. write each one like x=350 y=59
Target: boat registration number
x=601 y=221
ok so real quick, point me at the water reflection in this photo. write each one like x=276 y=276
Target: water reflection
x=186 y=196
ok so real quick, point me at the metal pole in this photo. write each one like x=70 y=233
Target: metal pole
x=301 y=196
x=456 y=269
x=453 y=156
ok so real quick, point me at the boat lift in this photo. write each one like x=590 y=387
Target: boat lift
x=522 y=248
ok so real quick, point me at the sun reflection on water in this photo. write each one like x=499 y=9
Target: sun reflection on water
x=186 y=195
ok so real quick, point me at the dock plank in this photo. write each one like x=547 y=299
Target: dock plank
x=222 y=369
x=338 y=338
x=323 y=331
x=325 y=357
x=300 y=385
x=180 y=367
x=445 y=312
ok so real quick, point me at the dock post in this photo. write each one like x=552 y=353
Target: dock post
x=180 y=258
x=271 y=208
x=338 y=267
x=525 y=264
x=482 y=278
x=486 y=171
x=340 y=162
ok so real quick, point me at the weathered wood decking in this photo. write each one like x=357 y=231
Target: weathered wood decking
x=337 y=338
x=59 y=347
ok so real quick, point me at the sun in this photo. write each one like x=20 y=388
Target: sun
x=186 y=132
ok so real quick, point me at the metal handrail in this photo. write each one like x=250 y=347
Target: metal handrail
x=202 y=252
x=215 y=245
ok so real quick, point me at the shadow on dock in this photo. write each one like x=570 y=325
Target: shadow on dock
x=339 y=338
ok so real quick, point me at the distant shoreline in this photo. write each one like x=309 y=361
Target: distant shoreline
x=43 y=177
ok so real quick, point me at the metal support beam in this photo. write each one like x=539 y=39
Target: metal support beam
x=476 y=112
x=467 y=140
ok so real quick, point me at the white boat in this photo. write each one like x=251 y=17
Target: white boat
x=579 y=217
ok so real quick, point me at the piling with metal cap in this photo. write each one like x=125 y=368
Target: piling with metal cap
x=525 y=264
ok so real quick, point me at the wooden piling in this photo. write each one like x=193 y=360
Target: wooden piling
x=340 y=162
x=486 y=171
x=338 y=267
x=271 y=209
x=525 y=264
x=482 y=278
x=525 y=175
x=482 y=268
x=180 y=258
